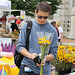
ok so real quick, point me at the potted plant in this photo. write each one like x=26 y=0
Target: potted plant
x=64 y=59
x=11 y=18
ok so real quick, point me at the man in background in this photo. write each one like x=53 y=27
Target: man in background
x=54 y=24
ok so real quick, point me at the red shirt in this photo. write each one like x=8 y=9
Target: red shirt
x=57 y=30
x=17 y=22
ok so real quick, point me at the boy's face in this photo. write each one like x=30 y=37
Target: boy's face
x=42 y=16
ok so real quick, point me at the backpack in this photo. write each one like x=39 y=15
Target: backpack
x=18 y=57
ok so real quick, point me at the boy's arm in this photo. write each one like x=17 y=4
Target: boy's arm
x=28 y=54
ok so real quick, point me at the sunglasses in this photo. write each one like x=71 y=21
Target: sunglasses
x=40 y=17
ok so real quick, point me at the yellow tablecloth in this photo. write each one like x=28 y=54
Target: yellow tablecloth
x=9 y=62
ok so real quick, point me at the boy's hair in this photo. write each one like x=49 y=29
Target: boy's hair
x=43 y=6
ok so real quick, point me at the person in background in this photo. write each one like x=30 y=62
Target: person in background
x=8 y=27
x=18 y=21
x=2 y=30
x=43 y=10
x=22 y=23
x=14 y=26
x=60 y=32
x=0 y=25
x=54 y=24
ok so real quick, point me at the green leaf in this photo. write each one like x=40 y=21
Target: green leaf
x=30 y=5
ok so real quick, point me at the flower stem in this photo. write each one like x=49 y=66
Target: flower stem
x=41 y=70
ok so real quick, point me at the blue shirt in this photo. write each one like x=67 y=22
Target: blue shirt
x=34 y=46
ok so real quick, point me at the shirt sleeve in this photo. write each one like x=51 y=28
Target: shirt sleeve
x=54 y=46
x=22 y=39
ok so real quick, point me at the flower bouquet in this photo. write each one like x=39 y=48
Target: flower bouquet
x=15 y=34
x=12 y=18
x=44 y=41
x=65 y=58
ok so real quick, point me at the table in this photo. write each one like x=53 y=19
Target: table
x=6 y=67
x=9 y=66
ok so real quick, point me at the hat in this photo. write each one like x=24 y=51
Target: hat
x=17 y=16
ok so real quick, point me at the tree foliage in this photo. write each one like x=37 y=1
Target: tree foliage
x=29 y=6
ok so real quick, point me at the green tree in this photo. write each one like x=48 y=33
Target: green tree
x=29 y=6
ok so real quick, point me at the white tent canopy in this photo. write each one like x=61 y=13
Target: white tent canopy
x=5 y=5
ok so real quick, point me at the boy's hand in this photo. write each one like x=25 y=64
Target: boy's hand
x=43 y=63
x=32 y=56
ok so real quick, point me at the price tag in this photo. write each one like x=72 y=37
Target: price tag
x=27 y=69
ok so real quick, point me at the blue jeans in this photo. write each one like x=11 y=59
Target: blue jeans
x=22 y=72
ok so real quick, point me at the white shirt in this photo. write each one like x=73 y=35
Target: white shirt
x=8 y=27
x=21 y=24
x=60 y=31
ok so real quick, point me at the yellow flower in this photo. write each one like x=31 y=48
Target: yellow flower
x=73 y=49
x=58 y=53
x=48 y=42
x=66 y=53
x=40 y=42
x=43 y=40
x=44 y=45
x=61 y=58
x=70 y=59
x=66 y=60
x=73 y=61
x=65 y=57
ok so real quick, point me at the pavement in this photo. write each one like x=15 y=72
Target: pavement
x=66 y=41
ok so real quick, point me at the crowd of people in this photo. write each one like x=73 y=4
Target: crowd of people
x=17 y=24
x=59 y=29
x=14 y=25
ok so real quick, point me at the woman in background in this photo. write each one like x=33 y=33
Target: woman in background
x=14 y=26
x=54 y=24
x=60 y=32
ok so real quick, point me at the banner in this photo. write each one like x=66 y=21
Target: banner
x=22 y=14
x=5 y=5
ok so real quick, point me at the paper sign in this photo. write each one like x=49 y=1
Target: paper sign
x=22 y=14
